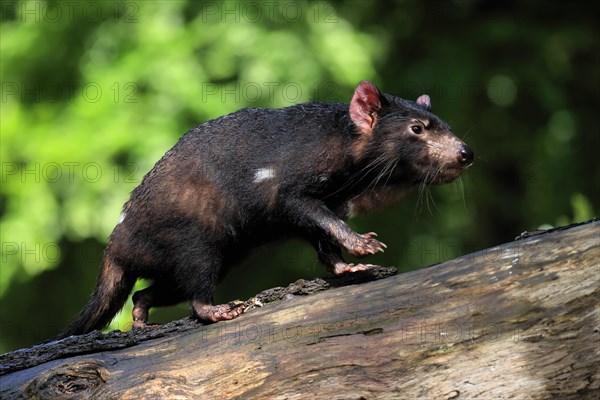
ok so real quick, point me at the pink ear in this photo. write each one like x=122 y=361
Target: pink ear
x=364 y=106
x=424 y=101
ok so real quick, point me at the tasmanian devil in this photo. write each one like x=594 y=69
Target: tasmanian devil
x=256 y=175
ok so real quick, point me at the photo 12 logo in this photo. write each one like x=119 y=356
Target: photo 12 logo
x=70 y=11
x=31 y=253
x=52 y=92
x=249 y=92
x=69 y=171
x=255 y=12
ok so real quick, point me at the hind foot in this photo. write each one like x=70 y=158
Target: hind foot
x=138 y=324
x=221 y=312
x=343 y=268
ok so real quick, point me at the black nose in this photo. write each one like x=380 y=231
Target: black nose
x=465 y=155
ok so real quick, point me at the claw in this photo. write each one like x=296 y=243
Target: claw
x=140 y=325
x=349 y=268
x=208 y=313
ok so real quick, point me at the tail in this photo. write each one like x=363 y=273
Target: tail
x=111 y=292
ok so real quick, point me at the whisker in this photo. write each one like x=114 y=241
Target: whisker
x=434 y=145
x=375 y=181
x=362 y=173
x=435 y=207
x=427 y=192
x=423 y=178
x=390 y=173
x=462 y=192
x=466 y=135
x=382 y=173
x=359 y=175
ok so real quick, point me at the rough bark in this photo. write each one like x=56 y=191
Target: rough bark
x=518 y=320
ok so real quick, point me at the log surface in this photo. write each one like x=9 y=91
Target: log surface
x=515 y=321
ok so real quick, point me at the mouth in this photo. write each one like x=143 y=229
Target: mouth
x=448 y=174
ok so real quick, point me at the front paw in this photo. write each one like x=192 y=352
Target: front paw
x=343 y=268
x=366 y=244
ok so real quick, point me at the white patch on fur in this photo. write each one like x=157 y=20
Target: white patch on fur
x=263 y=174
x=122 y=217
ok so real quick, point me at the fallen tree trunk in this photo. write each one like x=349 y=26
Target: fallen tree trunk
x=515 y=321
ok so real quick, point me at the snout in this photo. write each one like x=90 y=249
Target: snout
x=465 y=156
x=455 y=164
x=448 y=155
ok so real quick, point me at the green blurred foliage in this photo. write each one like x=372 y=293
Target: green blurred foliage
x=93 y=93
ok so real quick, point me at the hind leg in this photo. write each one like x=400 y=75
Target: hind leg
x=201 y=305
x=156 y=295
x=201 y=280
x=222 y=312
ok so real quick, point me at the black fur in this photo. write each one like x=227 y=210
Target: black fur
x=258 y=174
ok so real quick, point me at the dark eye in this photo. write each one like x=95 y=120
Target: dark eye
x=417 y=129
